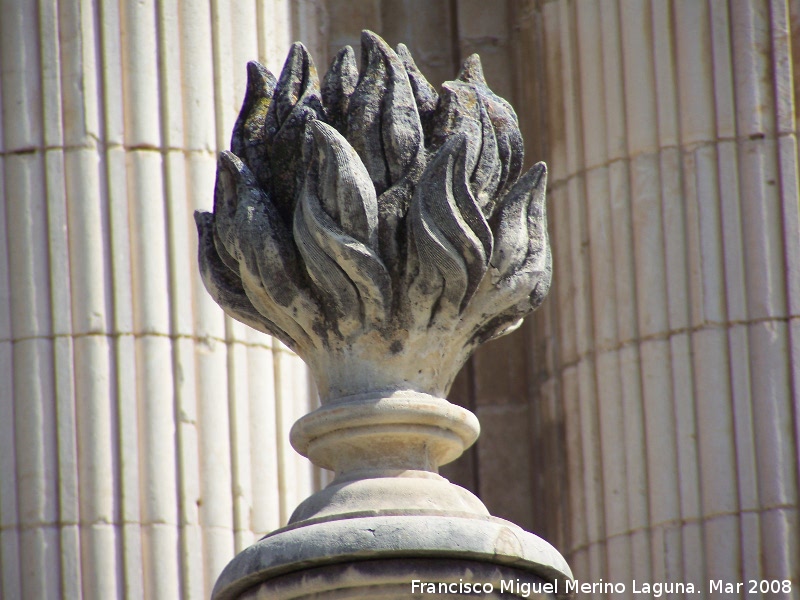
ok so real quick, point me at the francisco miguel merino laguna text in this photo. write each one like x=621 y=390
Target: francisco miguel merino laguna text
x=525 y=588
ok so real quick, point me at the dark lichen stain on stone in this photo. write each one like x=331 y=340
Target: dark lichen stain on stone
x=373 y=216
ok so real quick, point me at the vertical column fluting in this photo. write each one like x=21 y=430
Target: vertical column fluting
x=33 y=476
x=138 y=437
x=672 y=145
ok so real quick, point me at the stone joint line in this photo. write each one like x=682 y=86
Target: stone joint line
x=666 y=335
x=679 y=523
x=117 y=335
x=683 y=149
x=105 y=147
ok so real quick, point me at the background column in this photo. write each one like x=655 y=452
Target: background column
x=143 y=435
x=671 y=136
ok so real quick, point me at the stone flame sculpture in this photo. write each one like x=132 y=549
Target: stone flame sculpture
x=382 y=231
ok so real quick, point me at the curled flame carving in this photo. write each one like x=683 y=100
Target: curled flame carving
x=377 y=228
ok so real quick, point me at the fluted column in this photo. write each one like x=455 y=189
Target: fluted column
x=143 y=435
x=674 y=204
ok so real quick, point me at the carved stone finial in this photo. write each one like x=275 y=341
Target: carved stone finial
x=379 y=230
x=382 y=231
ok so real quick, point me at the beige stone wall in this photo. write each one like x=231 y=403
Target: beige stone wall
x=674 y=314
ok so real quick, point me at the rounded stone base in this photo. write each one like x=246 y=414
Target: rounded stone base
x=381 y=556
x=425 y=493
x=397 y=578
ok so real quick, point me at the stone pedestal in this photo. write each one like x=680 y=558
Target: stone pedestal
x=383 y=232
x=396 y=556
x=388 y=519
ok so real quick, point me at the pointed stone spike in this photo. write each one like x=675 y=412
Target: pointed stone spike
x=338 y=85
x=371 y=42
x=472 y=70
x=297 y=77
x=236 y=167
x=383 y=122
x=224 y=200
x=297 y=100
x=424 y=93
x=248 y=140
x=260 y=80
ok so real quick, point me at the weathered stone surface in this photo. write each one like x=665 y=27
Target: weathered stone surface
x=379 y=230
x=386 y=450
x=444 y=540
x=415 y=579
x=382 y=232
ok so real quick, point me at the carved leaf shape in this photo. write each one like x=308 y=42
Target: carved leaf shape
x=254 y=235
x=226 y=201
x=383 y=124
x=463 y=111
x=296 y=102
x=451 y=236
x=468 y=204
x=485 y=177
x=520 y=268
x=424 y=93
x=510 y=147
x=249 y=138
x=384 y=128
x=223 y=234
x=342 y=183
x=439 y=275
x=338 y=85
x=468 y=105
x=225 y=286
x=520 y=228
x=335 y=228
